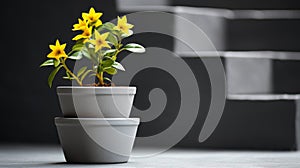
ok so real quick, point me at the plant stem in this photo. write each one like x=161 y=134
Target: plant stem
x=70 y=72
x=100 y=77
x=117 y=52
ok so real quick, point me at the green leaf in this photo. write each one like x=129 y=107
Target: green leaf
x=85 y=74
x=112 y=39
x=86 y=54
x=106 y=26
x=133 y=47
x=118 y=66
x=52 y=75
x=100 y=69
x=78 y=46
x=109 y=25
x=92 y=75
x=107 y=63
x=107 y=79
x=67 y=77
x=71 y=52
x=92 y=55
x=110 y=70
x=110 y=52
x=56 y=63
x=81 y=71
x=47 y=63
x=76 y=56
x=124 y=35
x=116 y=32
x=91 y=51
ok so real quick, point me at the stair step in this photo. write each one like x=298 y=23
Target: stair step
x=257 y=71
x=265 y=122
x=238 y=4
x=253 y=121
x=130 y=6
x=233 y=4
x=263 y=97
x=256 y=116
x=264 y=30
x=240 y=29
x=237 y=30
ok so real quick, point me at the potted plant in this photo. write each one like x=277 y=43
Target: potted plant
x=91 y=107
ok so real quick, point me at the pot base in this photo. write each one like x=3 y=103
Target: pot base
x=80 y=139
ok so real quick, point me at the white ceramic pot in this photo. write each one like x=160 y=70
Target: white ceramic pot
x=97 y=140
x=96 y=102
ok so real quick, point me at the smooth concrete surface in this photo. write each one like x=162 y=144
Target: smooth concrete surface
x=52 y=156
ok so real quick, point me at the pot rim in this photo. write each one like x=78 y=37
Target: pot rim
x=96 y=121
x=95 y=90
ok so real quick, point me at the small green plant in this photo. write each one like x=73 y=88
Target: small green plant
x=100 y=43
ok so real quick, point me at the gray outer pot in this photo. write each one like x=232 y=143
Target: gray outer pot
x=80 y=139
x=96 y=102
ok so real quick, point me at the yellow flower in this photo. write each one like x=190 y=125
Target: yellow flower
x=87 y=33
x=123 y=25
x=80 y=25
x=93 y=17
x=58 y=51
x=99 y=41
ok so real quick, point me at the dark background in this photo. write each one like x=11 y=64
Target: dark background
x=28 y=106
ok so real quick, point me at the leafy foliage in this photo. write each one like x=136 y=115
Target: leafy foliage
x=99 y=43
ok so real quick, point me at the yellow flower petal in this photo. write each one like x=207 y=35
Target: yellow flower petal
x=123 y=26
x=87 y=33
x=57 y=43
x=92 y=42
x=97 y=15
x=116 y=28
x=63 y=46
x=105 y=35
x=98 y=23
x=99 y=41
x=124 y=20
x=97 y=35
x=92 y=17
x=92 y=11
x=130 y=26
x=79 y=36
x=106 y=45
x=52 y=47
x=57 y=51
x=85 y=16
x=80 y=25
x=97 y=48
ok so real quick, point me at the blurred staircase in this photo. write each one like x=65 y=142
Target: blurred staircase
x=260 y=50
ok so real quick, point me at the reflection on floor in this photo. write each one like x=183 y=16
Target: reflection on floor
x=52 y=156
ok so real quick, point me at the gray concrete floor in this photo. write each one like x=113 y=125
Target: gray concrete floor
x=52 y=156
